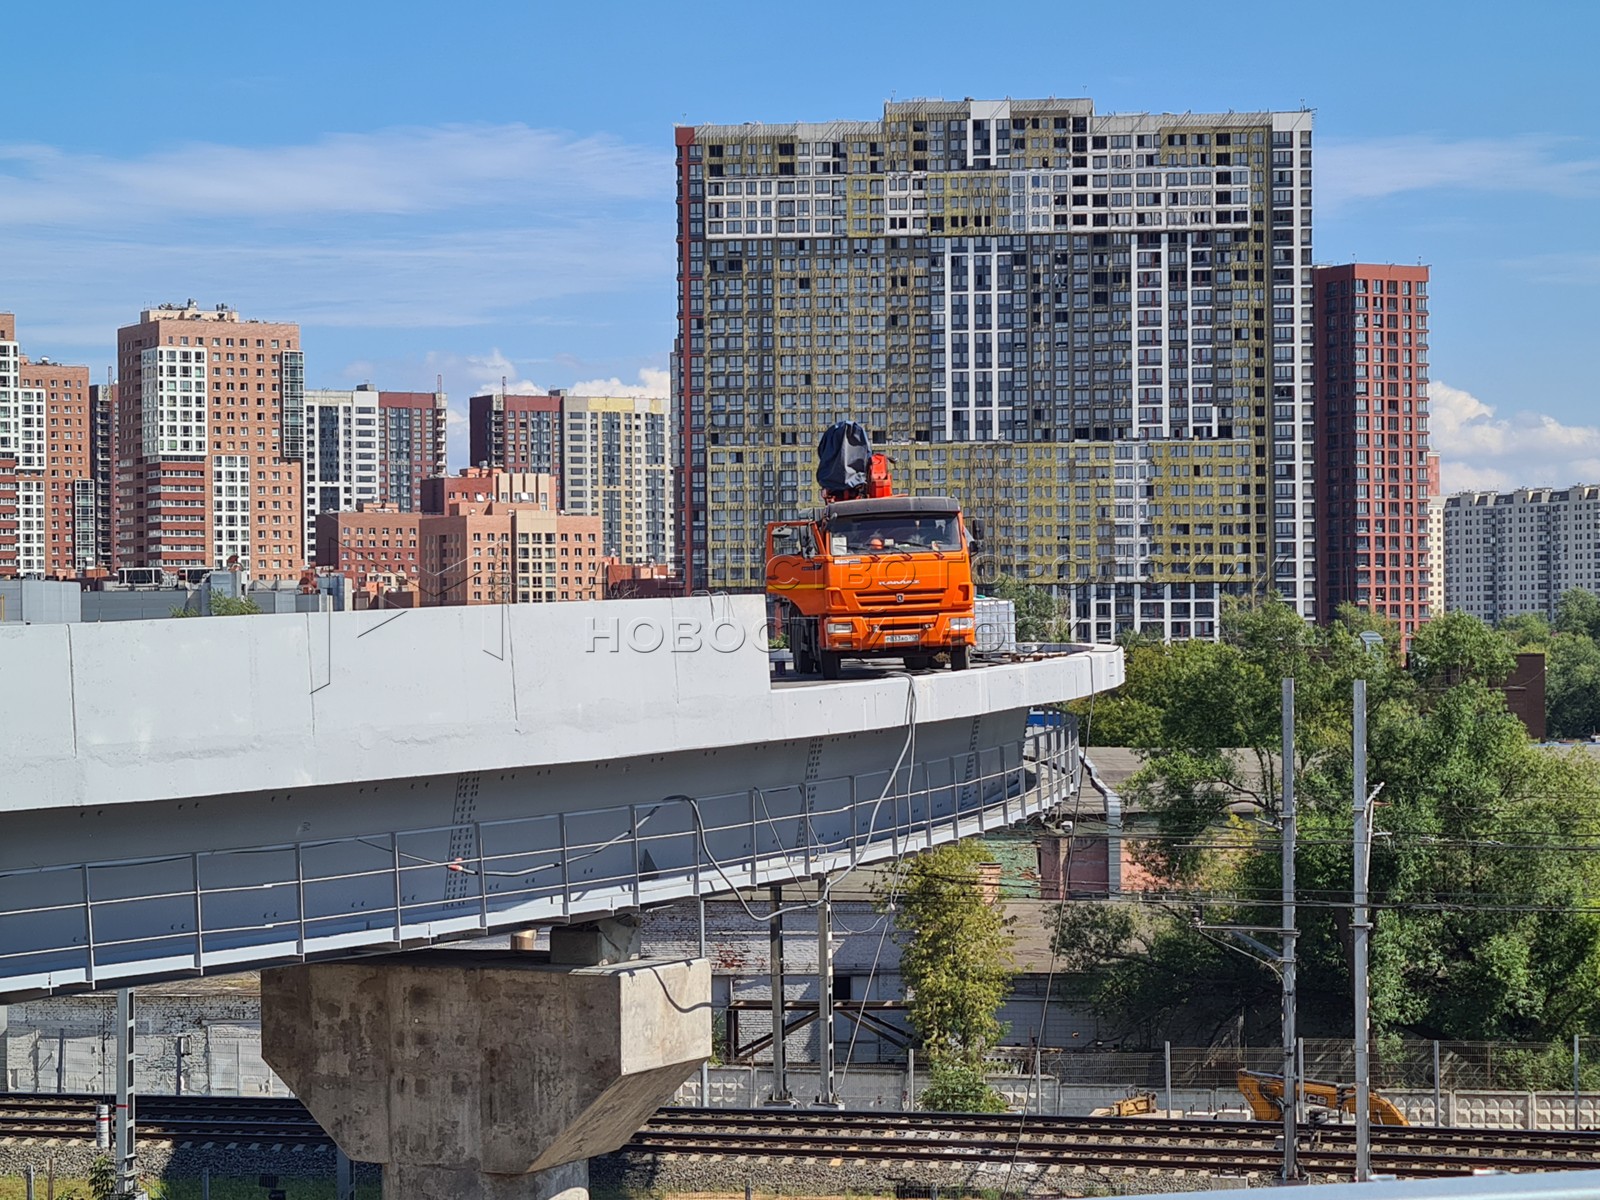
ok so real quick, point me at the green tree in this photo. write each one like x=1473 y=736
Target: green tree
x=102 y=1178
x=1458 y=646
x=1039 y=614
x=1482 y=878
x=956 y=959
x=1572 y=686
x=1131 y=714
x=1220 y=733
x=1578 y=611
x=224 y=606
x=1526 y=631
x=958 y=1087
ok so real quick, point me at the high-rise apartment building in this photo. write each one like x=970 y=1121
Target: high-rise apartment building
x=369 y=448
x=210 y=438
x=515 y=433
x=412 y=447
x=611 y=455
x=1436 y=554
x=103 y=466
x=614 y=466
x=342 y=465
x=1094 y=330
x=1374 y=473
x=47 y=512
x=1515 y=552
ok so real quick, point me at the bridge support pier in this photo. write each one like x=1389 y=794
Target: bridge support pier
x=485 y=1075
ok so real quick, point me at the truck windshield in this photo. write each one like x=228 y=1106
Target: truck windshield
x=890 y=533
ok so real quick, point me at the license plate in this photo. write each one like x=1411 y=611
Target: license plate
x=902 y=639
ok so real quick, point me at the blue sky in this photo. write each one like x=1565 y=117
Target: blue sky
x=484 y=190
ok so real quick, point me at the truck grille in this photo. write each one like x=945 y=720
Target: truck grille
x=915 y=600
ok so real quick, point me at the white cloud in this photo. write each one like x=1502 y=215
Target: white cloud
x=493 y=371
x=413 y=229
x=1480 y=450
x=1349 y=171
x=653 y=381
x=391 y=171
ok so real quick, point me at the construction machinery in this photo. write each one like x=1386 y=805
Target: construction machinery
x=871 y=574
x=1325 y=1102
x=1140 y=1104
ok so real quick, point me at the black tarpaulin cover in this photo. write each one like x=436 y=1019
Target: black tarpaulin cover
x=843 y=458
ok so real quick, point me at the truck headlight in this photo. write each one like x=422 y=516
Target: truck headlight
x=960 y=622
x=840 y=628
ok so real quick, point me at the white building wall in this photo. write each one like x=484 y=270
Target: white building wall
x=615 y=456
x=341 y=454
x=1515 y=552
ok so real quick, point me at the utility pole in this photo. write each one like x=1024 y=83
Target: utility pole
x=780 y=1071
x=826 y=1098
x=705 y=1067
x=1291 y=1081
x=127 y=1168
x=1361 y=929
x=1282 y=957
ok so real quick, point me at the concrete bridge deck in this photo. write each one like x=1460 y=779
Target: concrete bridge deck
x=213 y=794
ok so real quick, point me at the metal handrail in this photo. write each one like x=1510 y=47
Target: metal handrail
x=534 y=867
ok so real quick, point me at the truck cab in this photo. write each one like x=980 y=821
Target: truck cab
x=884 y=576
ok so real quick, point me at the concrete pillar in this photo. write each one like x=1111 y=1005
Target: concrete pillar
x=484 y=1075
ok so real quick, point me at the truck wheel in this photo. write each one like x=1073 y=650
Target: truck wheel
x=804 y=661
x=960 y=657
x=830 y=661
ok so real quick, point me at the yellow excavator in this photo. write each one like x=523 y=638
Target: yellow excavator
x=1324 y=1101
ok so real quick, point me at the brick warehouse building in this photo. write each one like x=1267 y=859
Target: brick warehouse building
x=47 y=504
x=1375 y=475
x=210 y=438
x=1094 y=330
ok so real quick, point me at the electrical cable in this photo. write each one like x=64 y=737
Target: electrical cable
x=824 y=893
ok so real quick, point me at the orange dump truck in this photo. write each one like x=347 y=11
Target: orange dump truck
x=871 y=574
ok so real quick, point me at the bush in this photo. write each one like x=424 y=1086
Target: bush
x=956 y=1087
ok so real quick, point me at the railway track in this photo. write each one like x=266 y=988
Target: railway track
x=1061 y=1142
x=200 y=1120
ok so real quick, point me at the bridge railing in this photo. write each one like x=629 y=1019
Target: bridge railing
x=90 y=924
